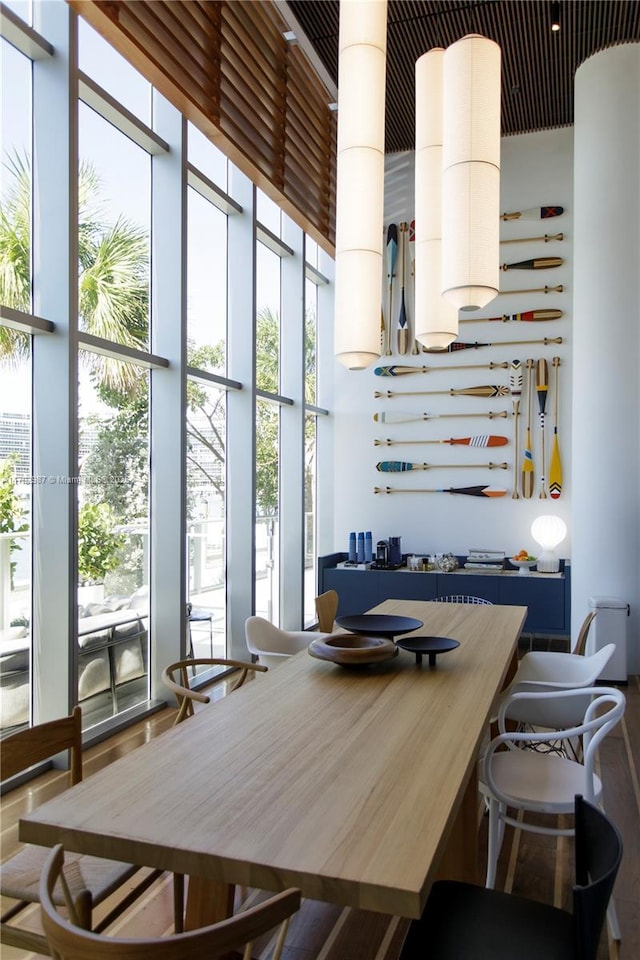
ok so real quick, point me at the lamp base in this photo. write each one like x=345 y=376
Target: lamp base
x=548 y=562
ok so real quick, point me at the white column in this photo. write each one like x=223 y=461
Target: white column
x=606 y=337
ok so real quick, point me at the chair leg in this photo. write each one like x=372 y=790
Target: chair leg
x=496 y=834
x=178 y=902
x=612 y=917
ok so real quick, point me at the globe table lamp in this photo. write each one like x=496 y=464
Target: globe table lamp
x=548 y=532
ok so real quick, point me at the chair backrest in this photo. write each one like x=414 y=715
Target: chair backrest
x=581 y=642
x=462 y=598
x=263 y=637
x=176 y=678
x=598 y=847
x=70 y=942
x=42 y=742
x=326 y=609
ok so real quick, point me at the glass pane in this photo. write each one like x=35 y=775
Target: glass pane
x=113 y=537
x=113 y=236
x=16 y=484
x=310 y=342
x=22 y=9
x=310 y=520
x=206 y=285
x=15 y=251
x=311 y=251
x=268 y=320
x=206 y=157
x=206 y=518
x=267 y=533
x=100 y=61
x=268 y=213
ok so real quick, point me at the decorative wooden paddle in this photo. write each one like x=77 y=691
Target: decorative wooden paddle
x=457 y=345
x=536 y=263
x=545 y=289
x=403 y=330
x=542 y=388
x=486 y=440
x=396 y=370
x=486 y=390
x=555 y=466
x=402 y=466
x=547 y=238
x=515 y=381
x=415 y=349
x=393 y=416
x=534 y=213
x=392 y=253
x=529 y=315
x=527 y=463
x=478 y=491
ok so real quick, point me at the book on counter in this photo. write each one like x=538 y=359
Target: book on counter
x=482 y=559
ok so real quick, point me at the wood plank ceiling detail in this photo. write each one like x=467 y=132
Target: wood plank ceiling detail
x=538 y=66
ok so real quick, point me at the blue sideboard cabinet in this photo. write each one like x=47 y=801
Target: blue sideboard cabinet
x=547 y=595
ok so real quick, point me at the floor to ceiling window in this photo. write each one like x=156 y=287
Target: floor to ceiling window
x=159 y=371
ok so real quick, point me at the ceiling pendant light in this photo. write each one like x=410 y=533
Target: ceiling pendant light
x=436 y=320
x=360 y=181
x=471 y=173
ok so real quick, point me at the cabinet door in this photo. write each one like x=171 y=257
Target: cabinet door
x=545 y=599
x=409 y=586
x=469 y=585
x=358 y=590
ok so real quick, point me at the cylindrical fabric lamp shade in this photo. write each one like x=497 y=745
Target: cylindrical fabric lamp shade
x=471 y=173
x=436 y=320
x=360 y=181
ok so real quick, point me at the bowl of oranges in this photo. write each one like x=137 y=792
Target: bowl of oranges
x=523 y=561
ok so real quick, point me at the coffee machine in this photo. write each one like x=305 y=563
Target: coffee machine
x=388 y=554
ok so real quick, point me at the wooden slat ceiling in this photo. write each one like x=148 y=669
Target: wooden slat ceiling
x=538 y=66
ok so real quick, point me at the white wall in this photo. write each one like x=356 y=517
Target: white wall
x=536 y=170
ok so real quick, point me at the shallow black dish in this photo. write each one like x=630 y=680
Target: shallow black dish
x=429 y=645
x=379 y=624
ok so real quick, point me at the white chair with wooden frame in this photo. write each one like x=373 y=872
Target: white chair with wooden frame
x=99 y=878
x=219 y=940
x=271 y=645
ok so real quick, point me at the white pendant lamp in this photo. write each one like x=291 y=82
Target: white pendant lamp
x=436 y=319
x=360 y=181
x=471 y=173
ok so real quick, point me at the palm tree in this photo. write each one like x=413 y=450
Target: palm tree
x=113 y=290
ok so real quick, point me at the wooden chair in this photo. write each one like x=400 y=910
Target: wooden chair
x=581 y=642
x=94 y=879
x=463 y=920
x=183 y=691
x=326 y=609
x=463 y=598
x=69 y=941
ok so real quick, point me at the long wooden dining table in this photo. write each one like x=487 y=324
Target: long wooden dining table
x=356 y=785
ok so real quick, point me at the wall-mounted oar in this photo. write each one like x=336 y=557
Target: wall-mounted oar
x=534 y=213
x=478 y=491
x=542 y=389
x=527 y=463
x=547 y=238
x=403 y=466
x=403 y=330
x=515 y=382
x=396 y=370
x=485 y=440
x=544 y=289
x=397 y=416
x=415 y=349
x=528 y=316
x=555 y=466
x=535 y=263
x=485 y=390
x=392 y=253
x=458 y=345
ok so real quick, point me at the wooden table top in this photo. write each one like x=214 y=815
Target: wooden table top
x=344 y=783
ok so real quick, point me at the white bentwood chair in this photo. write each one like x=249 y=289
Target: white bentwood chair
x=545 y=783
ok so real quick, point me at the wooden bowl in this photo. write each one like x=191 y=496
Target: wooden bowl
x=353 y=649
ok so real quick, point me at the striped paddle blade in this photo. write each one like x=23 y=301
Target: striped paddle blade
x=486 y=440
x=534 y=213
x=555 y=469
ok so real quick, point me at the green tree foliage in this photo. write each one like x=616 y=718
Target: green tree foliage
x=98 y=543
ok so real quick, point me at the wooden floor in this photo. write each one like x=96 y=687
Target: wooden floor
x=531 y=865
